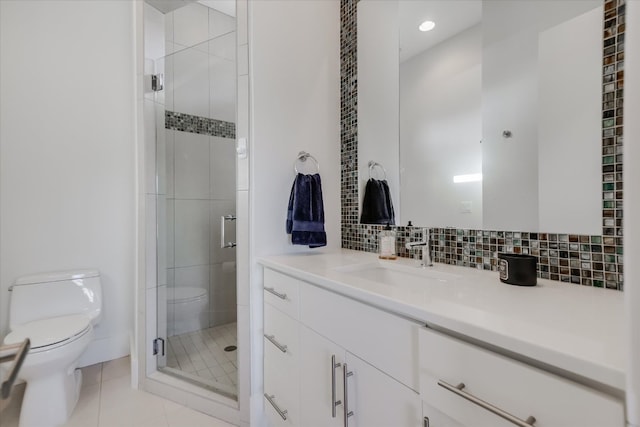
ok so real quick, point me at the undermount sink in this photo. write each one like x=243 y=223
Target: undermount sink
x=390 y=274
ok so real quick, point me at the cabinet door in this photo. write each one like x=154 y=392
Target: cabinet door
x=377 y=400
x=320 y=382
x=433 y=418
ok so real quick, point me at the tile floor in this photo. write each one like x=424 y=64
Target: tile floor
x=107 y=400
x=202 y=354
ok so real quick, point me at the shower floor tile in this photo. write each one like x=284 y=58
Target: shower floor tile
x=201 y=353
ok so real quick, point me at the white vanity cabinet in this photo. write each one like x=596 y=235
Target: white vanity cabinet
x=347 y=354
x=478 y=387
x=326 y=352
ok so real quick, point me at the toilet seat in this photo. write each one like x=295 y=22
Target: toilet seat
x=186 y=294
x=47 y=334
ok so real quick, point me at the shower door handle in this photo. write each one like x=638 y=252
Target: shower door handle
x=223 y=243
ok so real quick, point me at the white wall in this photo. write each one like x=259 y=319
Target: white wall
x=510 y=102
x=378 y=103
x=440 y=132
x=67 y=152
x=632 y=210
x=295 y=77
x=570 y=126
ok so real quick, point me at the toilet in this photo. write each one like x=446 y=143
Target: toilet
x=57 y=312
x=189 y=307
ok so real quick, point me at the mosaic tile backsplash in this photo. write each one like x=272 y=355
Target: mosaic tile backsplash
x=579 y=259
x=202 y=125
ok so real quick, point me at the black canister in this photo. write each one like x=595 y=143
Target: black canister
x=517 y=269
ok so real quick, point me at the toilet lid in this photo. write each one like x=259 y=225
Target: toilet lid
x=186 y=293
x=46 y=332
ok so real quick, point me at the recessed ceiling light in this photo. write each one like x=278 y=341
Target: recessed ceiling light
x=427 y=26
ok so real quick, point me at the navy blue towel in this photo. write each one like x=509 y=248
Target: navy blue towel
x=305 y=214
x=377 y=207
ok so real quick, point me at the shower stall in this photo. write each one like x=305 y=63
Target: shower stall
x=194 y=87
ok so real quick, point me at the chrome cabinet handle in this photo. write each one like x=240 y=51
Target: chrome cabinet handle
x=347 y=413
x=272 y=338
x=223 y=244
x=276 y=293
x=488 y=406
x=334 y=402
x=282 y=413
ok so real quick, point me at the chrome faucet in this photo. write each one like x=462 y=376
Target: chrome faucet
x=425 y=245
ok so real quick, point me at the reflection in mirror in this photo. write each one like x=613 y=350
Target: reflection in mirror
x=492 y=119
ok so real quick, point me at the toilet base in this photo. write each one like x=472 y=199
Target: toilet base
x=49 y=401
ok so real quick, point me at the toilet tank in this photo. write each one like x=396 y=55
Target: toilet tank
x=55 y=294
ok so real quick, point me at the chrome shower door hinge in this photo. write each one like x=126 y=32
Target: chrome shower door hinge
x=156 y=346
x=157 y=82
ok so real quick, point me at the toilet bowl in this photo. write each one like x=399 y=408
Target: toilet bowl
x=57 y=312
x=189 y=308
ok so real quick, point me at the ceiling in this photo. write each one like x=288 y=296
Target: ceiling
x=451 y=17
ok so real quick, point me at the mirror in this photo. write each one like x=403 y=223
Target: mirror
x=492 y=120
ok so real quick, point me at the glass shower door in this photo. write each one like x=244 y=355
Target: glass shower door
x=196 y=174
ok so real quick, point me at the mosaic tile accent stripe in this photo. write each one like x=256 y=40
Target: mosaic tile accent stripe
x=579 y=259
x=348 y=117
x=202 y=125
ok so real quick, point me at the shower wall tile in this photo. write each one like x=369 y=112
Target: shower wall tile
x=190 y=82
x=222 y=301
x=224 y=47
x=151 y=305
x=223 y=168
x=161 y=236
x=154 y=28
x=243 y=60
x=218 y=209
x=242 y=21
x=149 y=108
x=150 y=236
x=243 y=132
x=197 y=276
x=171 y=251
x=191 y=24
x=159 y=163
x=168 y=28
x=222 y=89
x=192 y=166
x=168 y=165
x=168 y=80
x=220 y=23
x=192 y=232
x=242 y=250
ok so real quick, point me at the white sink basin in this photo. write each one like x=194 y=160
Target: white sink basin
x=391 y=274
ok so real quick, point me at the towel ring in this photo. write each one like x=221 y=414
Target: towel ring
x=302 y=157
x=372 y=166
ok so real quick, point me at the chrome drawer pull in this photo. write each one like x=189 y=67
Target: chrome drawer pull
x=272 y=338
x=280 y=412
x=347 y=413
x=276 y=293
x=489 y=407
x=334 y=402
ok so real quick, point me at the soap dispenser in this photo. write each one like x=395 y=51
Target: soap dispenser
x=387 y=243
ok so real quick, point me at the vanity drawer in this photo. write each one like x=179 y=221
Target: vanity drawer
x=509 y=385
x=282 y=382
x=281 y=333
x=281 y=291
x=386 y=341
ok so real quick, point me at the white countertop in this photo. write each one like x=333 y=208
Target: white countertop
x=577 y=329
